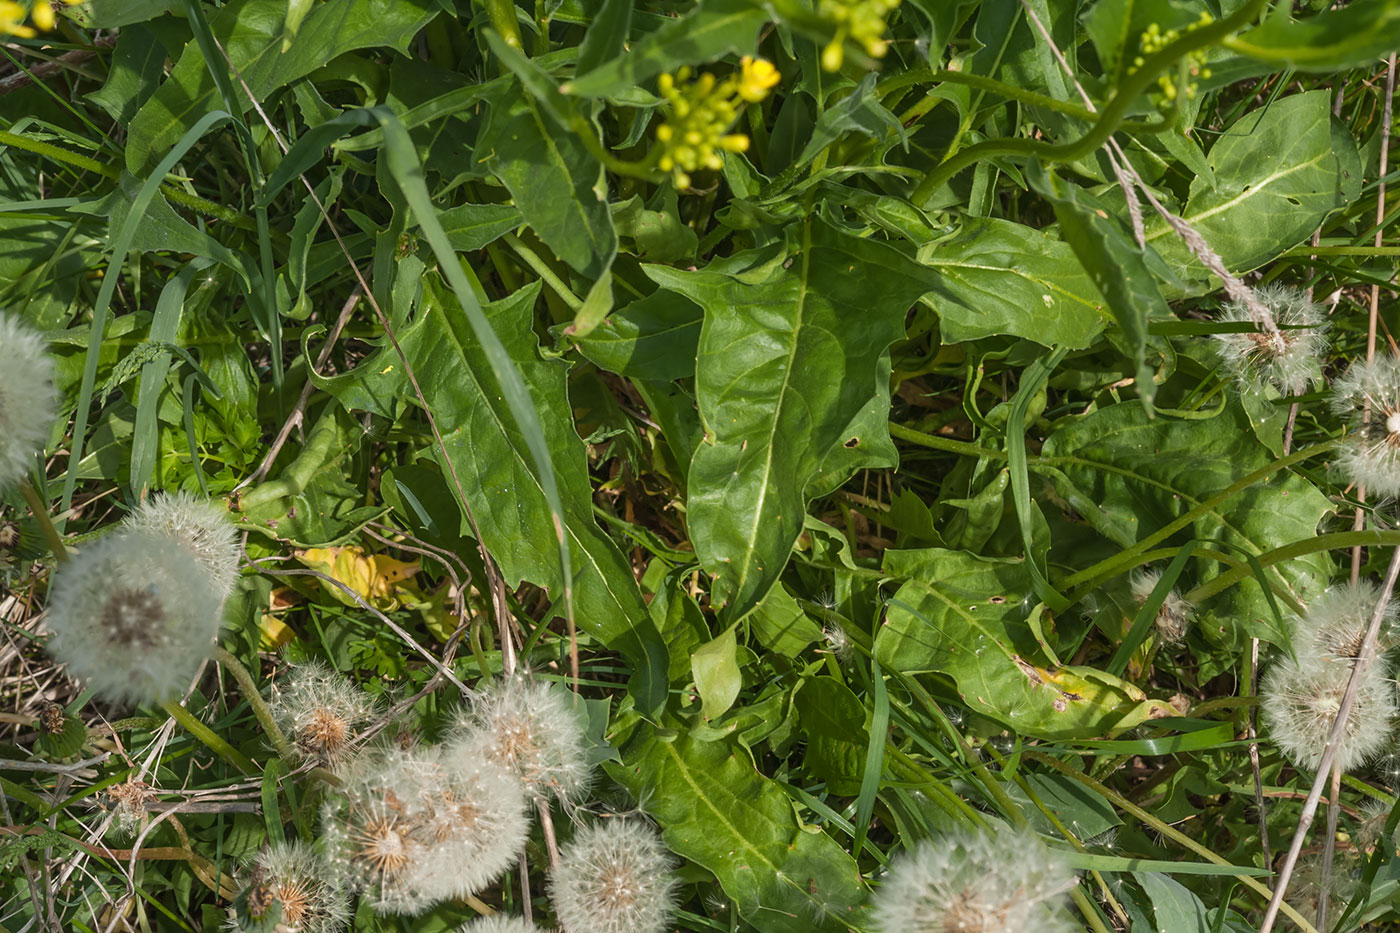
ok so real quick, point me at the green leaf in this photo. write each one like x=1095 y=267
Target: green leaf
x=715 y=667
x=1174 y=906
x=1278 y=172
x=1354 y=36
x=718 y=811
x=655 y=337
x=494 y=465
x=792 y=380
x=606 y=38
x=713 y=28
x=780 y=624
x=558 y=187
x=1142 y=473
x=858 y=112
x=998 y=277
x=1116 y=264
x=833 y=720
x=470 y=227
x=250 y=32
x=969 y=617
x=133 y=75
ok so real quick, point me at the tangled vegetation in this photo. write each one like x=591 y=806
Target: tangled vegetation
x=704 y=465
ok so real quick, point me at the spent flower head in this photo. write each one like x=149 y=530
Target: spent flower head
x=134 y=616
x=289 y=888
x=376 y=829
x=530 y=728
x=499 y=923
x=1173 y=616
x=1284 y=352
x=27 y=398
x=320 y=709
x=127 y=803
x=862 y=21
x=614 y=876
x=699 y=114
x=477 y=826
x=1300 y=702
x=1368 y=397
x=1336 y=621
x=975 y=881
x=200 y=526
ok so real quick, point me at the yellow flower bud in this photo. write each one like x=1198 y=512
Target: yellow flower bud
x=43 y=15
x=757 y=76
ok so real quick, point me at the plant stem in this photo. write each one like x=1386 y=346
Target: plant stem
x=206 y=735
x=1133 y=86
x=542 y=269
x=230 y=663
x=936 y=442
x=40 y=509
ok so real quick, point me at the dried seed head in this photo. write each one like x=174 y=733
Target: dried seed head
x=200 y=526
x=499 y=924
x=134 y=616
x=1309 y=882
x=838 y=642
x=615 y=876
x=321 y=710
x=1301 y=702
x=52 y=718
x=1374 y=815
x=376 y=830
x=1371 y=455
x=28 y=402
x=970 y=882
x=1173 y=616
x=477 y=826
x=128 y=802
x=290 y=881
x=531 y=729
x=1289 y=358
x=1335 y=623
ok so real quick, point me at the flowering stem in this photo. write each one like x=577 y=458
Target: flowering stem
x=206 y=735
x=936 y=442
x=230 y=663
x=1128 y=92
x=41 y=515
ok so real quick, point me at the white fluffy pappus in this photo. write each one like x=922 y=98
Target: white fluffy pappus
x=200 y=526
x=477 y=826
x=292 y=879
x=499 y=923
x=1173 y=616
x=1300 y=702
x=1336 y=621
x=614 y=876
x=134 y=616
x=1370 y=456
x=530 y=728
x=320 y=709
x=28 y=402
x=1289 y=359
x=977 y=882
x=375 y=829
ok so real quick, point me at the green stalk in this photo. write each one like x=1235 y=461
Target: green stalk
x=502 y=16
x=178 y=195
x=40 y=509
x=206 y=735
x=542 y=269
x=1336 y=540
x=1166 y=829
x=230 y=663
x=944 y=443
x=1110 y=120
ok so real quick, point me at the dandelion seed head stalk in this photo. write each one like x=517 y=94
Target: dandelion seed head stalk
x=134 y=616
x=28 y=402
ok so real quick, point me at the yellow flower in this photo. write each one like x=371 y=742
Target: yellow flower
x=12 y=20
x=700 y=113
x=862 y=21
x=757 y=77
x=43 y=15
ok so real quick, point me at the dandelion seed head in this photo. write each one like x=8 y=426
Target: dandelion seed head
x=1288 y=359
x=971 y=882
x=134 y=616
x=1173 y=616
x=477 y=826
x=614 y=876
x=127 y=801
x=28 y=402
x=1374 y=814
x=838 y=642
x=200 y=526
x=1336 y=621
x=1308 y=883
x=528 y=727
x=1370 y=456
x=499 y=924
x=294 y=878
x=1300 y=703
x=321 y=709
